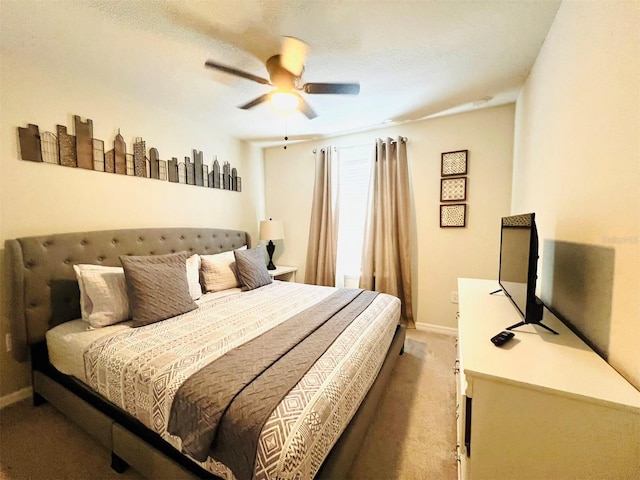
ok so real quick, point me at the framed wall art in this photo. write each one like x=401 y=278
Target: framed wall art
x=454 y=163
x=453 y=215
x=453 y=189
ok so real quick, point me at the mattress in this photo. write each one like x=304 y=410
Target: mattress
x=140 y=369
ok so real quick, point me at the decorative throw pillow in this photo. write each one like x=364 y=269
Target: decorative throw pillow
x=157 y=287
x=103 y=294
x=219 y=271
x=193 y=276
x=252 y=270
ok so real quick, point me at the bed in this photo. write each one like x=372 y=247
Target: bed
x=314 y=430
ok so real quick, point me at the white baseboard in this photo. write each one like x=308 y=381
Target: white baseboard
x=15 y=397
x=429 y=327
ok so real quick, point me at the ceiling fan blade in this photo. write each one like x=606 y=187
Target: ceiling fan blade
x=332 y=88
x=304 y=107
x=235 y=71
x=293 y=54
x=253 y=103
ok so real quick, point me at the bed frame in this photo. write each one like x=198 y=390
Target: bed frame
x=45 y=293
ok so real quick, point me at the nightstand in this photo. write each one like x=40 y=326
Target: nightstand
x=286 y=274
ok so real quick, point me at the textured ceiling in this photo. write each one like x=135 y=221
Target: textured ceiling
x=412 y=58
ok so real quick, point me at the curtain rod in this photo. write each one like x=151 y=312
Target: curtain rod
x=402 y=139
x=322 y=149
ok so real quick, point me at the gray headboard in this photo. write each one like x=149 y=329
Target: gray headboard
x=44 y=289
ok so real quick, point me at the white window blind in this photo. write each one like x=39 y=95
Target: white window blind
x=353 y=180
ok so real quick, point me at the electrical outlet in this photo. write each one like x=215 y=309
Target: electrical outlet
x=454 y=297
x=8 y=341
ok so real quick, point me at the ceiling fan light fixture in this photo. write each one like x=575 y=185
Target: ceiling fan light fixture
x=285 y=101
x=284 y=71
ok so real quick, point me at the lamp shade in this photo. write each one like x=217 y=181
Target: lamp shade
x=271 y=230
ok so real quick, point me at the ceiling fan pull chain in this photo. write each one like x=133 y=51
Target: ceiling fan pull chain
x=286 y=137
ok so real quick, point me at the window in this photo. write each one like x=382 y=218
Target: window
x=354 y=174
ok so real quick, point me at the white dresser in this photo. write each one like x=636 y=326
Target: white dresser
x=542 y=406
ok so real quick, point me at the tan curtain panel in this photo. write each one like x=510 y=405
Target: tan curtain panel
x=323 y=231
x=386 y=261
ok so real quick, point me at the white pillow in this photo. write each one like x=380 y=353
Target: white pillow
x=103 y=294
x=219 y=271
x=193 y=276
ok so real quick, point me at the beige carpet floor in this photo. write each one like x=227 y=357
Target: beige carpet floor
x=412 y=437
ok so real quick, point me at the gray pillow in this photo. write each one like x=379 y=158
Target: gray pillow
x=157 y=287
x=251 y=268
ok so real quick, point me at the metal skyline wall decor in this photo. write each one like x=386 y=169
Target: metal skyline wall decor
x=83 y=151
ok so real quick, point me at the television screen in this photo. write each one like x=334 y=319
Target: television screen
x=518 y=267
x=515 y=247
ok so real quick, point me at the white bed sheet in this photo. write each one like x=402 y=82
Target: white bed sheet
x=67 y=341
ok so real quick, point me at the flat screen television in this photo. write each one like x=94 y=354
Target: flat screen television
x=518 y=267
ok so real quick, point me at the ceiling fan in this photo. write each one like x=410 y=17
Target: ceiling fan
x=285 y=70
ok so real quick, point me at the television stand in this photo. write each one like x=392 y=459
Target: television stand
x=544 y=407
x=532 y=323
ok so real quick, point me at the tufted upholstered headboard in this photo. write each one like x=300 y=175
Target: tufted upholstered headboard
x=44 y=289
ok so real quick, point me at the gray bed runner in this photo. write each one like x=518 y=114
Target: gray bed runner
x=221 y=409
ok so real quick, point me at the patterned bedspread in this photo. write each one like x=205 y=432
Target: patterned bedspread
x=141 y=369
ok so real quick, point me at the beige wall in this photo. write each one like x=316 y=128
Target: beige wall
x=39 y=198
x=577 y=165
x=440 y=255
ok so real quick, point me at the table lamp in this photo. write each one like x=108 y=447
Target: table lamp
x=271 y=230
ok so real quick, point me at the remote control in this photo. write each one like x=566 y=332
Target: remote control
x=502 y=338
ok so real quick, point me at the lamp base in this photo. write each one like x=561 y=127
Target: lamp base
x=270 y=249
